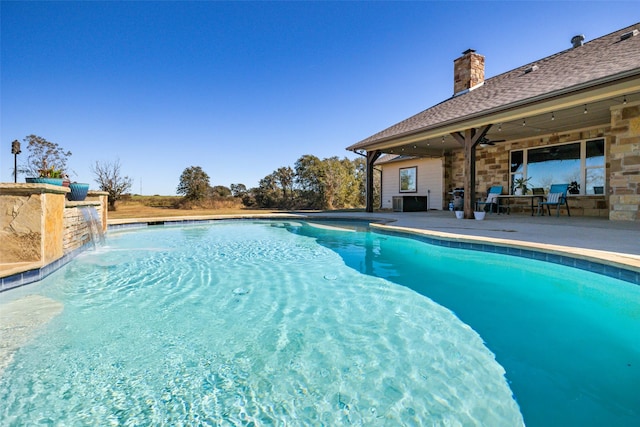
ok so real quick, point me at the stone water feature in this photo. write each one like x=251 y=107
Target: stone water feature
x=41 y=230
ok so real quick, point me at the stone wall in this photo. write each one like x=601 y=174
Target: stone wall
x=38 y=225
x=624 y=163
x=102 y=205
x=492 y=168
x=31 y=222
x=76 y=230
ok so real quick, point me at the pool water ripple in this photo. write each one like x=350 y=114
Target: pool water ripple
x=162 y=338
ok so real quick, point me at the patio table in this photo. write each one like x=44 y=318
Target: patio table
x=508 y=197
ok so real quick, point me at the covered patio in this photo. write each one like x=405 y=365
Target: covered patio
x=586 y=93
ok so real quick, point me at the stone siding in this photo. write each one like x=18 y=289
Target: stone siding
x=468 y=71
x=624 y=163
x=76 y=230
x=492 y=168
x=30 y=226
x=20 y=228
x=102 y=197
x=39 y=226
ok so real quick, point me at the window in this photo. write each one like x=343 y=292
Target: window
x=582 y=162
x=408 y=180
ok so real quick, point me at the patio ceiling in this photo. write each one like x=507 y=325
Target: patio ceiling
x=543 y=123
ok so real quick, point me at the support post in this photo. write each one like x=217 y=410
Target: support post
x=372 y=156
x=469 y=141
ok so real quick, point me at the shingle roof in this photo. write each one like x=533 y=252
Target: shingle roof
x=594 y=61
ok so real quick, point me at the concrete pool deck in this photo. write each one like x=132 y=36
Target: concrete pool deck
x=584 y=237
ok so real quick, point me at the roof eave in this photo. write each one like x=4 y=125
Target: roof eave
x=584 y=93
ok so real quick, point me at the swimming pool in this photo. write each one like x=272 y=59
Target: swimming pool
x=280 y=323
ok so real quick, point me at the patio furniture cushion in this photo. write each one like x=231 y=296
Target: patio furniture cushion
x=553 y=197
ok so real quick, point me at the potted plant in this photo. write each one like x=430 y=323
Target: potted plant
x=520 y=186
x=47 y=161
x=48 y=175
x=574 y=187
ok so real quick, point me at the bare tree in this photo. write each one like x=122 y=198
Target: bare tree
x=110 y=179
x=45 y=158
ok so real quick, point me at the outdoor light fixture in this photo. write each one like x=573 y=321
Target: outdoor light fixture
x=585 y=108
x=499 y=127
x=553 y=117
x=524 y=122
x=624 y=100
x=15 y=150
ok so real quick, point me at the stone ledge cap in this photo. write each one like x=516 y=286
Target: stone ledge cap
x=24 y=189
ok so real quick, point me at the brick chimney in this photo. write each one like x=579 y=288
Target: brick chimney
x=468 y=71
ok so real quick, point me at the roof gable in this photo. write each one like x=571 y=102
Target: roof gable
x=591 y=63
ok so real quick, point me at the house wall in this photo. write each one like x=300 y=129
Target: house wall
x=430 y=181
x=621 y=198
x=623 y=163
x=492 y=168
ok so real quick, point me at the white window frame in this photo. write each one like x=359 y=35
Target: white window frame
x=583 y=162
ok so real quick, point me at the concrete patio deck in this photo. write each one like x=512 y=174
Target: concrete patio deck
x=584 y=237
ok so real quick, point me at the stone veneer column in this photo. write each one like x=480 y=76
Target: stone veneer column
x=31 y=222
x=103 y=198
x=623 y=160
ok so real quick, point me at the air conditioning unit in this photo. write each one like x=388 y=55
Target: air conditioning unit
x=397 y=203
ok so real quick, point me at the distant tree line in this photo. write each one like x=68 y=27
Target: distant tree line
x=312 y=183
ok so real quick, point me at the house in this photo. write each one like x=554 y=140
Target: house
x=573 y=116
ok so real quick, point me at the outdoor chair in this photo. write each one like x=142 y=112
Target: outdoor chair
x=491 y=201
x=557 y=197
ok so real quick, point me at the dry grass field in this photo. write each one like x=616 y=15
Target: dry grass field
x=162 y=206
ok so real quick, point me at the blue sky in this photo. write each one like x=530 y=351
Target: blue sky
x=243 y=88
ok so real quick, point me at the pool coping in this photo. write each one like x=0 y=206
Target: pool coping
x=617 y=265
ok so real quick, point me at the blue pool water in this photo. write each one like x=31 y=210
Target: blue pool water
x=276 y=323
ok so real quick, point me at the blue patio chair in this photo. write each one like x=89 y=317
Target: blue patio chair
x=492 y=199
x=557 y=197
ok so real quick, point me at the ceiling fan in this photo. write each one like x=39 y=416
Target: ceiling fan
x=484 y=141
